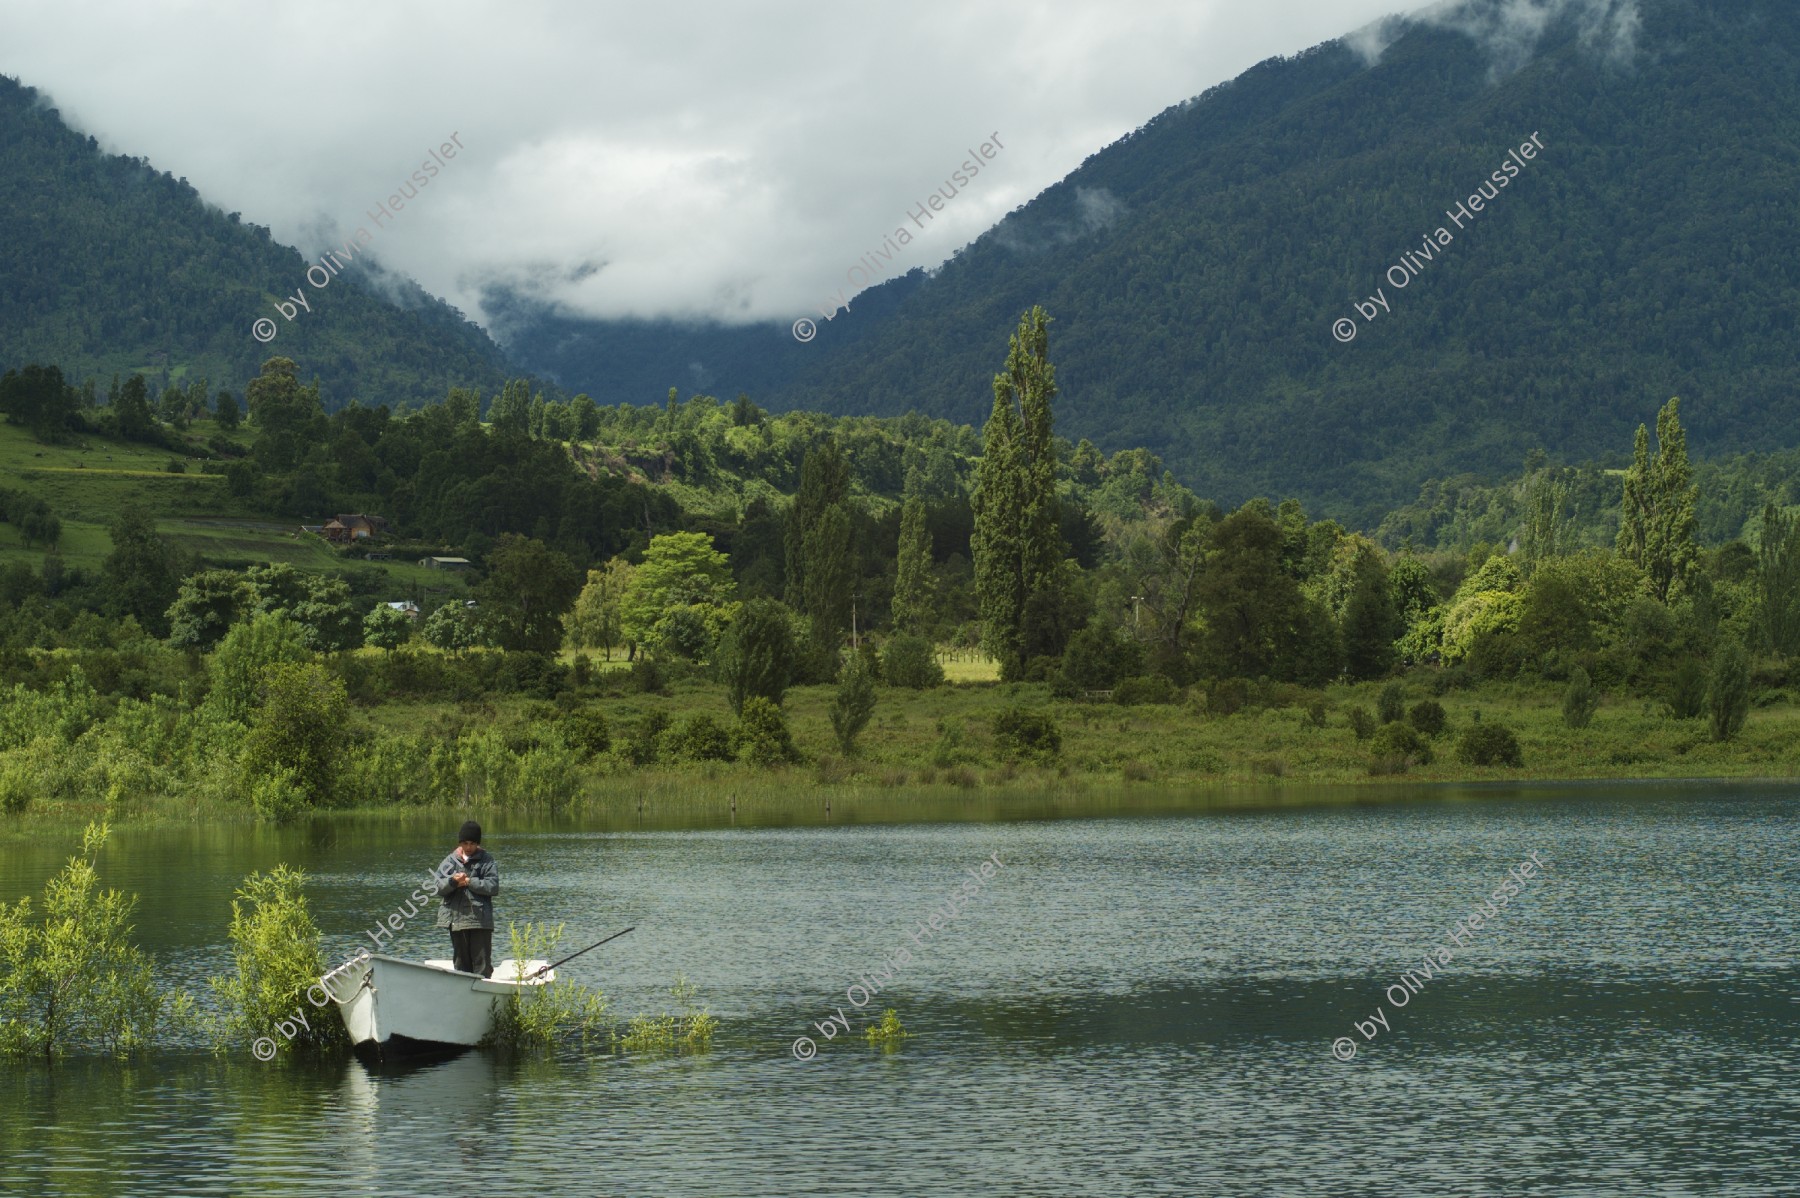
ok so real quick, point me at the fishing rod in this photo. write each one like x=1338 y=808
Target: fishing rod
x=596 y=944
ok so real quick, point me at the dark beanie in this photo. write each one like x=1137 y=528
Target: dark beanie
x=470 y=831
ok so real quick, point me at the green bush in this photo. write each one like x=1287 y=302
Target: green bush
x=1395 y=747
x=646 y=676
x=950 y=749
x=756 y=654
x=697 y=738
x=585 y=728
x=1026 y=734
x=1096 y=658
x=297 y=730
x=1728 y=691
x=1427 y=716
x=1149 y=688
x=386 y=628
x=1390 y=704
x=1489 y=744
x=909 y=661
x=1361 y=722
x=646 y=738
x=852 y=705
x=1228 y=696
x=1580 y=701
x=382 y=770
x=1687 y=692
x=1315 y=713
x=762 y=734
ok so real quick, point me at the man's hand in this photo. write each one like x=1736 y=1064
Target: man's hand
x=460 y=879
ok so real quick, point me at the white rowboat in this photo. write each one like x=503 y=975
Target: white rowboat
x=394 y=1008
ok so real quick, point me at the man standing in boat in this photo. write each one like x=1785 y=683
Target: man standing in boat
x=467 y=881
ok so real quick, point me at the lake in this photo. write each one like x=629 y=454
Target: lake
x=1135 y=1002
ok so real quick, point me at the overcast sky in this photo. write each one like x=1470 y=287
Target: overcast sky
x=685 y=158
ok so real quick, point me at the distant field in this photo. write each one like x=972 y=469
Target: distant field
x=969 y=668
x=90 y=480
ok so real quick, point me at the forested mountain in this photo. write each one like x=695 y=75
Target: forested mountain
x=108 y=266
x=1195 y=268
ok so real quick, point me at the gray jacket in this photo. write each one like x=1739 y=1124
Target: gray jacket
x=471 y=906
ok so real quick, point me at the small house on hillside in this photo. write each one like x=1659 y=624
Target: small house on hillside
x=405 y=607
x=455 y=565
x=354 y=526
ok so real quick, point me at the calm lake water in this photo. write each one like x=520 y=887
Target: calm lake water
x=1134 y=1004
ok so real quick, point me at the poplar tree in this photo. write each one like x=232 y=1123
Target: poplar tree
x=819 y=564
x=1778 y=581
x=912 y=573
x=1656 y=511
x=824 y=480
x=1017 y=541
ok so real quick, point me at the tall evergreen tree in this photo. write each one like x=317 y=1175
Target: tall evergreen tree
x=511 y=410
x=1656 y=515
x=810 y=550
x=830 y=576
x=1778 y=581
x=225 y=410
x=912 y=604
x=1017 y=542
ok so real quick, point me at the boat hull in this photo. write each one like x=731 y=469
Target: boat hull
x=396 y=1008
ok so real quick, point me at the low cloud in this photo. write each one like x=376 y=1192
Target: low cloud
x=1510 y=31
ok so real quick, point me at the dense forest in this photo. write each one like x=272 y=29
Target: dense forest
x=1197 y=265
x=751 y=556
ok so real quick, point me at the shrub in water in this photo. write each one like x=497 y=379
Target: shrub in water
x=690 y=1031
x=888 y=1032
x=534 y=1016
x=275 y=946
x=1390 y=704
x=1027 y=734
x=75 y=980
x=1489 y=744
x=1427 y=716
x=909 y=661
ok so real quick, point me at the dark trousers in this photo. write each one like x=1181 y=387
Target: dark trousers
x=474 y=951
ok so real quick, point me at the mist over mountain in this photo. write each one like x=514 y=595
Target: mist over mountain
x=110 y=266
x=1195 y=268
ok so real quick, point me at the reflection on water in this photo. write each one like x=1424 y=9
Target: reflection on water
x=1133 y=1005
